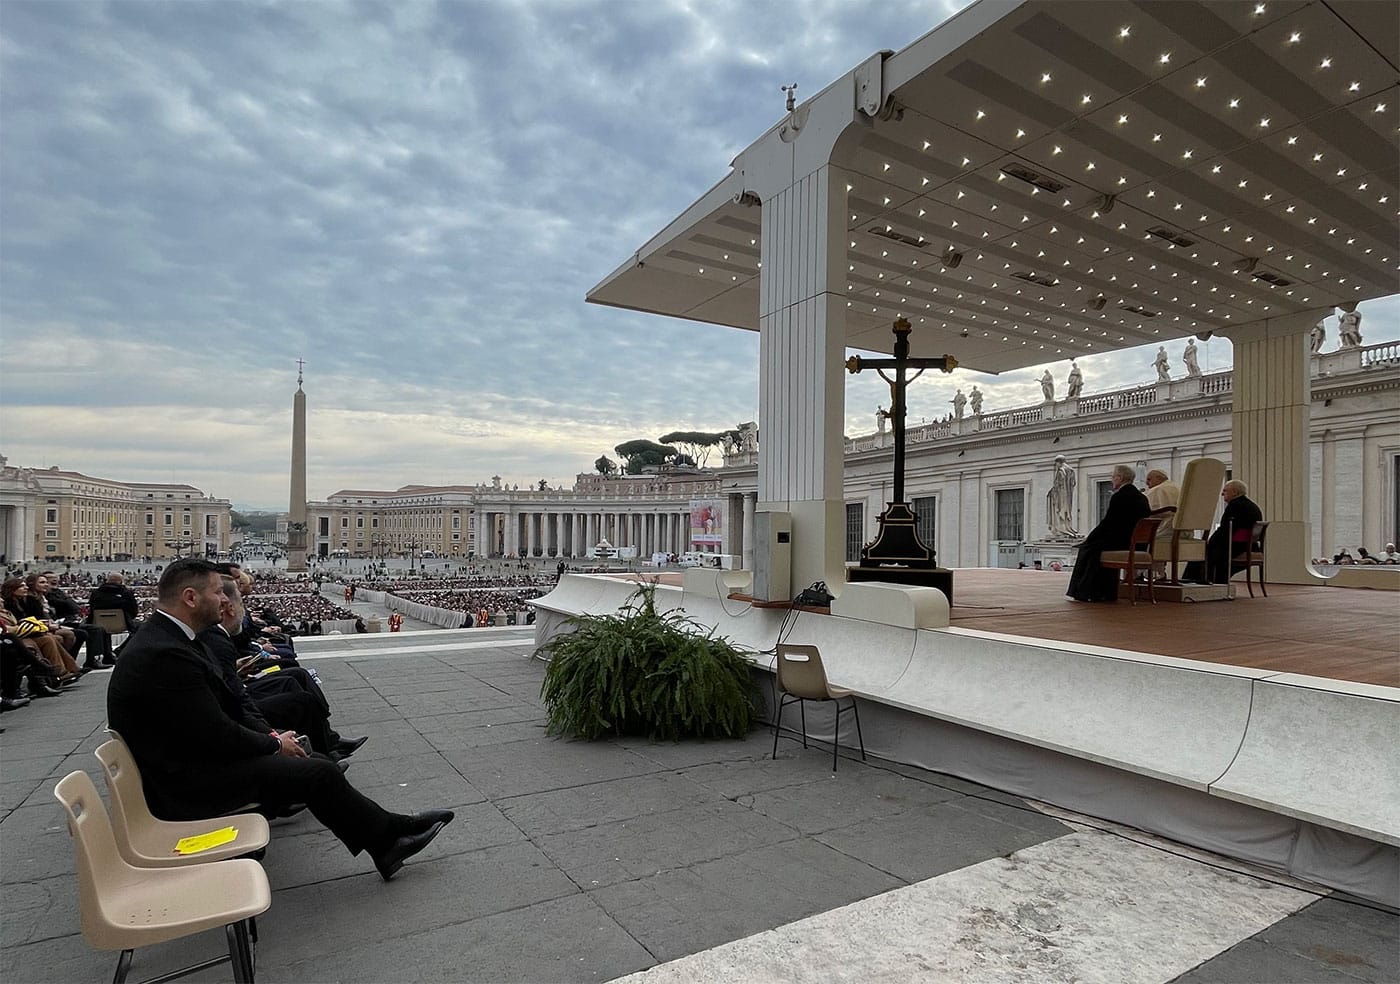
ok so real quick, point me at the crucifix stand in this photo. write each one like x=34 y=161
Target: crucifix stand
x=897 y=554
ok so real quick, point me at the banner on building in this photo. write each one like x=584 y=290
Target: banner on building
x=706 y=524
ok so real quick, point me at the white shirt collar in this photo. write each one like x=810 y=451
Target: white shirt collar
x=189 y=632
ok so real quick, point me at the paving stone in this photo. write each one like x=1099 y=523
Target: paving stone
x=684 y=754
x=492 y=734
x=537 y=943
x=919 y=844
x=844 y=798
x=645 y=845
x=531 y=767
x=685 y=910
x=36 y=844
x=45 y=908
x=442 y=791
x=431 y=891
x=603 y=802
x=1256 y=961
x=746 y=776
x=1357 y=939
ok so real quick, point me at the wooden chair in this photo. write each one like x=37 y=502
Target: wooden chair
x=111 y=619
x=147 y=842
x=800 y=678
x=121 y=907
x=1253 y=557
x=1138 y=557
x=1195 y=513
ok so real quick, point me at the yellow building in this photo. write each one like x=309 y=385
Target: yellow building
x=52 y=514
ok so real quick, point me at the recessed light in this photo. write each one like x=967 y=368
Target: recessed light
x=1355 y=86
x=1164 y=57
x=1264 y=122
x=1200 y=83
x=1235 y=103
x=1122 y=119
x=1326 y=63
x=1044 y=78
x=1123 y=32
x=1295 y=37
x=1380 y=108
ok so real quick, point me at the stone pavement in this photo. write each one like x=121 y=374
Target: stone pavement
x=589 y=862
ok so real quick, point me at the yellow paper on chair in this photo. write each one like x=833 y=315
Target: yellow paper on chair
x=206 y=842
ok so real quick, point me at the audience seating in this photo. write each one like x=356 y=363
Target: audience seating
x=147 y=842
x=122 y=907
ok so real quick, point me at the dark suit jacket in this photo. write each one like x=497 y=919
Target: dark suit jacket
x=170 y=704
x=225 y=657
x=1115 y=530
x=1240 y=513
x=63 y=606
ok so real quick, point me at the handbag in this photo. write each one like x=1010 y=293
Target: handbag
x=29 y=626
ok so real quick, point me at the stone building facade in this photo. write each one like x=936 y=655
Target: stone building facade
x=55 y=515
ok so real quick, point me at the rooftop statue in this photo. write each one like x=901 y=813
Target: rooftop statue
x=1350 y=329
x=1193 y=368
x=1161 y=364
x=959 y=401
x=1076 y=380
x=1047 y=386
x=1317 y=335
x=976 y=396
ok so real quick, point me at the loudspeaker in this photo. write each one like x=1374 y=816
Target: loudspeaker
x=772 y=556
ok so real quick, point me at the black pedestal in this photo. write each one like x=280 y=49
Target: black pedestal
x=924 y=577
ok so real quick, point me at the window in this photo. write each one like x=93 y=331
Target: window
x=1104 y=492
x=51 y=548
x=926 y=519
x=323 y=525
x=344 y=522
x=51 y=534
x=855 y=530
x=150 y=519
x=374 y=523
x=169 y=520
x=1011 y=514
x=359 y=522
x=51 y=515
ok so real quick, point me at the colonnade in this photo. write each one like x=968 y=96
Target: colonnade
x=524 y=531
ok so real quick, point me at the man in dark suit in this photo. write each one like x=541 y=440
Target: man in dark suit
x=199 y=755
x=1232 y=537
x=113 y=593
x=1090 y=581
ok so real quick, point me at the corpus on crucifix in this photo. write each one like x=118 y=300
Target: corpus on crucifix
x=897 y=553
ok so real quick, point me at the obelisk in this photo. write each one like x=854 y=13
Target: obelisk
x=296 y=513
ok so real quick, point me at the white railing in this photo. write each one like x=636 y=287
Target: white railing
x=1373 y=355
x=1012 y=418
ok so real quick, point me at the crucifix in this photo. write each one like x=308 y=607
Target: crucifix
x=898 y=545
x=300 y=363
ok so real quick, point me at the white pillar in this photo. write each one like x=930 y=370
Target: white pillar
x=747 y=530
x=1269 y=435
x=802 y=328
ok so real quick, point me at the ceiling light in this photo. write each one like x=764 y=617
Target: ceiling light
x=1354 y=87
x=1020 y=133
x=1200 y=83
x=1295 y=37
x=1326 y=63
x=1234 y=103
x=980 y=114
x=1264 y=122
x=1258 y=9
x=1380 y=108
x=1292 y=141
x=1122 y=119
x=1045 y=78
x=1057 y=150
x=1165 y=57
x=1086 y=99
x=1123 y=32
x=1186 y=155
x=1215 y=170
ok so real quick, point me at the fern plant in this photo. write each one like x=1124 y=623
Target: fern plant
x=637 y=672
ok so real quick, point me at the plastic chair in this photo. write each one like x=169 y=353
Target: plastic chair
x=111 y=619
x=148 y=842
x=1254 y=557
x=1137 y=557
x=121 y=907
x=801 y=677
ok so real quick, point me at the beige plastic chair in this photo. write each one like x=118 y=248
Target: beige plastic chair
x=800 y=678
x=1138 y=557
x=121 y=907
x=111 y=619
x=148 y=842
x=1195 y=512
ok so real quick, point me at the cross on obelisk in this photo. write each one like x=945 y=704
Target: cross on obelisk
x=897 y=553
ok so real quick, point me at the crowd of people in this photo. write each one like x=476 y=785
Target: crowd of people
x=474 y=602
x=1343 y=557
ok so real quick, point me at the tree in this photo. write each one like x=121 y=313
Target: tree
x=238 y=521
x=696 y=445
x=641 y=454
x=606 y=466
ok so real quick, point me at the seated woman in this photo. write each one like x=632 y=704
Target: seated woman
x=43 y=646
x=1090 y=581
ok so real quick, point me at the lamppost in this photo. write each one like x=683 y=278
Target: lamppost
x=412 y=554
x=180 y=546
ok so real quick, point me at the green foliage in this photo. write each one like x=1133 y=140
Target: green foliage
x=605 y=466
x=694 y=444
x=641 y=673
x=641 y=454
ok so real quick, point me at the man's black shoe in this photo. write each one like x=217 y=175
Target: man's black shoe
x=391 y=859
x=12 y=703
x=349 y=746
x=417 y=823
x=109 y=662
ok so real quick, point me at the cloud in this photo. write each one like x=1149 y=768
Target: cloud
x=414 y=198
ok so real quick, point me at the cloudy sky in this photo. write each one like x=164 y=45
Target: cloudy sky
x=412 y=197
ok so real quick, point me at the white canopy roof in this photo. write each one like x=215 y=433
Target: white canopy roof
x=1067 y=177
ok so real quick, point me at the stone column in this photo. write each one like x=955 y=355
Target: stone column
x=1269 y=435
x=750 y=499
x=296 y=513
x=802 y=330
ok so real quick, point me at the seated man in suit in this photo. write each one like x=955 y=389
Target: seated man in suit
x=113 y=593
x=297 y=708
x=200 y=755
x=1090 y=581
x=1232 y=537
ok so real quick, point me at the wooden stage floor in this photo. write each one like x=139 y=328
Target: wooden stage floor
x=1340 y=633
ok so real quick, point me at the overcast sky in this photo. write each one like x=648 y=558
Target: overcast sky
x=414 y=198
